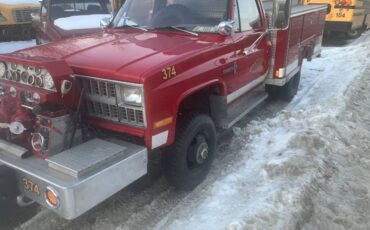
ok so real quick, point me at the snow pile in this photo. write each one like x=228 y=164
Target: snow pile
x=291 y=157
x=80 y=22
x=13 y=2
x=8 y=47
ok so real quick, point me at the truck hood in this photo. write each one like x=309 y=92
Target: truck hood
x=121 y=56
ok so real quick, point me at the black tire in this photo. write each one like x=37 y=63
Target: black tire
x=286 y=92
x=187 y=162
x=354 y=33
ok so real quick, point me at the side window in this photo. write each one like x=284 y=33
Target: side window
x=249 y=16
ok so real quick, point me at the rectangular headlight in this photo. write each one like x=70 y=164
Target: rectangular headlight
x=131 y=95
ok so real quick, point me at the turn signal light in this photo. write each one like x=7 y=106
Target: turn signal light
x=52 y=198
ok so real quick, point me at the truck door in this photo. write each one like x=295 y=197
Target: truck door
x=252 y=48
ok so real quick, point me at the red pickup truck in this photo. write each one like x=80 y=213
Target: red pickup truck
x=81 y=118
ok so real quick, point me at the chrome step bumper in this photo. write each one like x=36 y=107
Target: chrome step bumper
x=79 y=188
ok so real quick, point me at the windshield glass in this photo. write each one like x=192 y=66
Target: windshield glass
x=191 y=15
x=69 y=8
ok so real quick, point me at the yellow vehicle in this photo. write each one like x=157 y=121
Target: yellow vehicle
x=15 y=19
x=349 y=16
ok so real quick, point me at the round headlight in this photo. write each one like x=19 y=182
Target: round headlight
x=2 y=69
x=48 y=81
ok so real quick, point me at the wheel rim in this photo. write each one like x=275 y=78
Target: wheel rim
x=198 y=151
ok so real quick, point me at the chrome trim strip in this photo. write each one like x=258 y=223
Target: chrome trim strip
x=308 y=11
x=108 y=80
x=231 y=97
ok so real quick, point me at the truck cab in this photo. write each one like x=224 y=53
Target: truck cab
x=57 y=19
x=83 y=116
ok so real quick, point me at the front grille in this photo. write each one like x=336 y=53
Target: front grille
x=101 y=101
x=24 y=15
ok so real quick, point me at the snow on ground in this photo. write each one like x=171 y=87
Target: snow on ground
x=8 y=47
x=84 y=21
x=307 y=167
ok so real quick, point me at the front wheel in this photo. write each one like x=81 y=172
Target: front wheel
x=187 y=162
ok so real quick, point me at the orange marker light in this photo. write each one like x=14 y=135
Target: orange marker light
x=51 y=197
x=163 y=122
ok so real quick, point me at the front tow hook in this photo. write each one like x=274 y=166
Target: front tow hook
x=23 y=201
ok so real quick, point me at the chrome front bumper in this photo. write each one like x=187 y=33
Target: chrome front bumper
x=80 y=188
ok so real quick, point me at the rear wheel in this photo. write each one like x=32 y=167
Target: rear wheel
x=187 y=162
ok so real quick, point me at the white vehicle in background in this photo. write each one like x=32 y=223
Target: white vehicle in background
x=60 y=19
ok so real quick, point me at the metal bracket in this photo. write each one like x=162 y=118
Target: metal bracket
x=22 y=202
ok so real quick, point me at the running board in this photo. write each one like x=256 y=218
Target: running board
x=227 y=115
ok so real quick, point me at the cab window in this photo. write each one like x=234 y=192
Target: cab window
x=246 y=15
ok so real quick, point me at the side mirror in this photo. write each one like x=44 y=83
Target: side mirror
x=104 y=23
x=225 y=27
x=35 y=17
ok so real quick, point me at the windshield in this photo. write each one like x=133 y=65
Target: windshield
x=191 y=15
x=68 y=8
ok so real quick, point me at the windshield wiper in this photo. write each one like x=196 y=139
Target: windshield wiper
x=133 y=26
x=182 y=29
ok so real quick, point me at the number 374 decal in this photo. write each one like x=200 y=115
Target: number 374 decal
x=169 y=72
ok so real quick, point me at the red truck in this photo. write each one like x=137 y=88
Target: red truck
x=81 y=118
